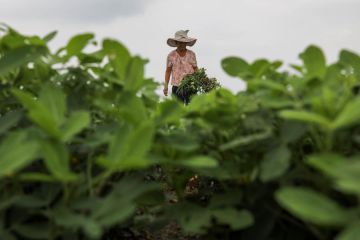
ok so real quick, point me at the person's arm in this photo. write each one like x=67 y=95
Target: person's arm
x=194 y=62
x=167 y=79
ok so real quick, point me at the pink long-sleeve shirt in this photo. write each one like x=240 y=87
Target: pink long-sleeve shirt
x=181 y=66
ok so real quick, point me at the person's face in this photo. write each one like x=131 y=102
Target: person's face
x=181 y=45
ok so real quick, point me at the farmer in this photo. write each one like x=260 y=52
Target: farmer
x=180 y=62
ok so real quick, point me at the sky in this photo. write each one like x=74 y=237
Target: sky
x=250 y=29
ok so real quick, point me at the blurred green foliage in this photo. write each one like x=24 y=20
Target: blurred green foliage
x=86 y=146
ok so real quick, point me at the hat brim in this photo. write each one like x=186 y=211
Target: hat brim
x=189 y=41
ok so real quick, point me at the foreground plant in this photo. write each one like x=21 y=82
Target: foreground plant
x=86 y=148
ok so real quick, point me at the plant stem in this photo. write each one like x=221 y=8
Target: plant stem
x=66 y=193
x=100 y=180
x=89 y=165
x=329 y=140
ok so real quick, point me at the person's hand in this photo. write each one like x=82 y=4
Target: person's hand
x=165 y=90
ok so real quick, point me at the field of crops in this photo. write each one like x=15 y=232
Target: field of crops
x=89 y=152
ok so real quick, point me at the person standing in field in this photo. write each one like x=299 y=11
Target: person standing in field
x=179 y=63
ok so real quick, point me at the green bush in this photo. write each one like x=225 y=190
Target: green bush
x=86 y=147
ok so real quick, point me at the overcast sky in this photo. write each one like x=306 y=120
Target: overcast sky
x=251 y=29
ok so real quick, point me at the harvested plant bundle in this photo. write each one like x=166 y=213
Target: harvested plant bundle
x=197 y=82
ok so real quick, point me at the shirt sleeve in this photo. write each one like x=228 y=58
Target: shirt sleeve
x=169 y=61
x=193 y=60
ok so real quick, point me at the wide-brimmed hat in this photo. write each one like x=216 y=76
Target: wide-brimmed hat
x=181 y=36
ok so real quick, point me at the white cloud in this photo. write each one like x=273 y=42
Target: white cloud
x=89 y=11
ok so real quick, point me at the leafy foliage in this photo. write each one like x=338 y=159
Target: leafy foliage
x=197 y=83
x=87 y=146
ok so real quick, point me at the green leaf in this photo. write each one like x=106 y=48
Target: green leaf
x=335 y=74
x=34 y=230
x=275 y=163
x=351 y=59
x=132 y=108
x=7 y=234
x=91 y=58
x=16 y=152
x=199 y=162
x=351 y=232
x=20 y=56
x=195 y=219
x=30 y=201
x=266 y=83
x=228 y=198
x=276 y=64
x=348 y=177
x=235 y=66
x=292 y=131
x=169 y=111
x=9 y=120
x=134 y=74
x=13 y=41
x=56 y=157
x=245 y=140
x=259 y=67
x=119 y=56
x=65 y=217
x=93 y=215
x=35 y=40
x=54 y=101
x=48 y=111
x=119 y=205
x=311 y=206
x=235 y=219
x=107 y=216
x=349 y=116
x=344 y=171
x=179 y=141
x=129 y=147
x=328 y=163
x=298 y=68
x=314 y=61
x=75 y=124
x=305 y=116
x=50 y=36
x=36 y=177
x=78 y=43
x=38 y=113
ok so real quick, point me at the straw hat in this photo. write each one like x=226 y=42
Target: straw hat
x=181 y=36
